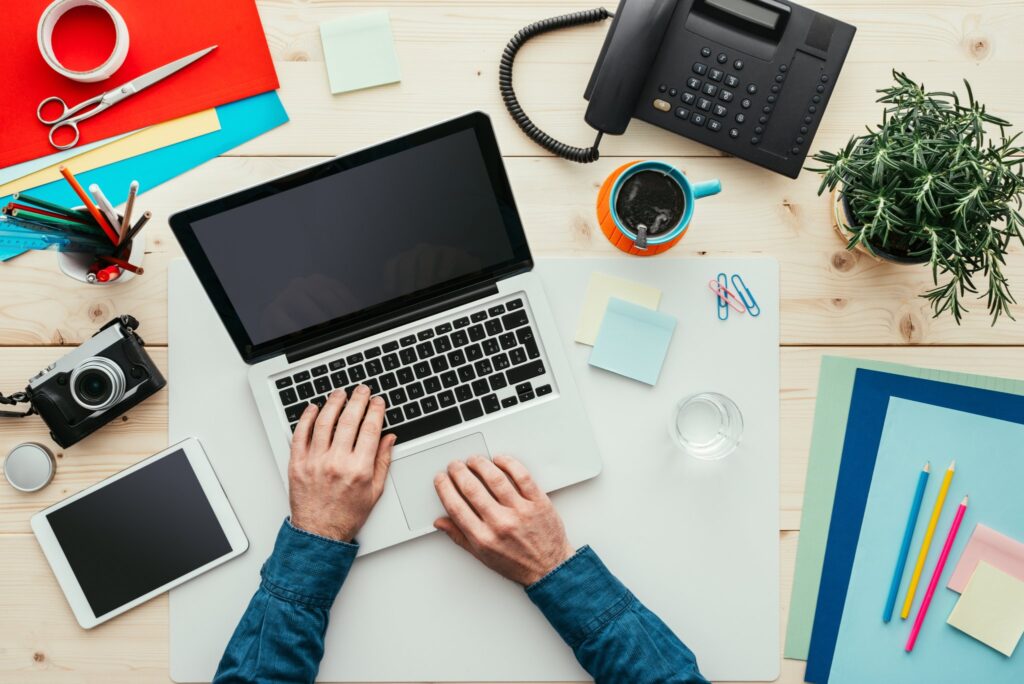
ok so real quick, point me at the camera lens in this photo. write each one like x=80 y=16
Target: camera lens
x=97 y=384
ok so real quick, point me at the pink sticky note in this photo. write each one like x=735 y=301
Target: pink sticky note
x=994 y=548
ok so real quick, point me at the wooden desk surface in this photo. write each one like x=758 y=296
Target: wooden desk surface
x=834 y=302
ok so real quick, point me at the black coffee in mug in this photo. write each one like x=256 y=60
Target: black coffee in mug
x=652 y=199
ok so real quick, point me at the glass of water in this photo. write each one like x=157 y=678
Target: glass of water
x=707 y=426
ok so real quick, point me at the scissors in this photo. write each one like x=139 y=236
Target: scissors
x=71 y=116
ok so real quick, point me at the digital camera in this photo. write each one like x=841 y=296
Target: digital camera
x=86 y=389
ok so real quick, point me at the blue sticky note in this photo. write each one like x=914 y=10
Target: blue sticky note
x=239 y=122
x=868 y=407
x=990 y=469
x=632 y=341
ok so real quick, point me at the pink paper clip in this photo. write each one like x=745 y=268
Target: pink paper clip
x=727 y=296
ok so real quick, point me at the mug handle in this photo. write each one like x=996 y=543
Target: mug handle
x=705 y=188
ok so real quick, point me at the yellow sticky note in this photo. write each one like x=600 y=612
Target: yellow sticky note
x=132 y=145
x=991 y=609
x=601 y=288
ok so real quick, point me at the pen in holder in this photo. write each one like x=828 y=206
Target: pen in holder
x=95 y=244
x=86 y=267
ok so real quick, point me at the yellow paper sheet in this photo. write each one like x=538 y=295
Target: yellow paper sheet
x=603 y=286
x=991 y=609
x=140 y=142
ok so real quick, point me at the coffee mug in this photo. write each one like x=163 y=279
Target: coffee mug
x=645 y=207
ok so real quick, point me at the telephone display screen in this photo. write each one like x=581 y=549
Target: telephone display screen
x=753 y=12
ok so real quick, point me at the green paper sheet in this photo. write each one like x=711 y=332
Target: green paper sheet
x=359 y=51
x=835 y=387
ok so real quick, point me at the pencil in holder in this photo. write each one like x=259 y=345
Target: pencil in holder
x=97 y=269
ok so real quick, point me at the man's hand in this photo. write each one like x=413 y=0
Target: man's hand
x=499 y=514
x=338 y=465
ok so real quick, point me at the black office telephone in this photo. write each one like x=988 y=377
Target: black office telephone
x=748 y=77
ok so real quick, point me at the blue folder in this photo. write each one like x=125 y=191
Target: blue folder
x=868 y=408
x=239 y=122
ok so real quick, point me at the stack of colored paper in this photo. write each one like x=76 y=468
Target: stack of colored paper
x=875 y=426
x=220 y=101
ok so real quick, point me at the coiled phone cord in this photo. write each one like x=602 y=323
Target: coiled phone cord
x=583 y=155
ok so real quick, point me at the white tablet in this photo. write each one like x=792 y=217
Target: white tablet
x=139 y=533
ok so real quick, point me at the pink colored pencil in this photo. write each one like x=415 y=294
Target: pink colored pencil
x=923 y=610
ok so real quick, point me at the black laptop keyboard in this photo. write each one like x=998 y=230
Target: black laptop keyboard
x=478 y=363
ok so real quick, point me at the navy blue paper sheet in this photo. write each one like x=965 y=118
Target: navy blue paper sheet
x=868 y=407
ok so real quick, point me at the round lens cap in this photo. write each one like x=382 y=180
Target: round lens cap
x=29 y=467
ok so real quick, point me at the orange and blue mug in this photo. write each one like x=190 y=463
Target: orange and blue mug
x=627 y=239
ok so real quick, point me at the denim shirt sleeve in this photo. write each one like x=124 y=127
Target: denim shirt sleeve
x=615 y=638
x=280 y=638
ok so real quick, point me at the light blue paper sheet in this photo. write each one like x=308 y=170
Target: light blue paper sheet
x=989 y=457
x=239 y=121
x=632 y=341
x=23 y=169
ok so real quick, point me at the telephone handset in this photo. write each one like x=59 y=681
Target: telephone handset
x=748 y=77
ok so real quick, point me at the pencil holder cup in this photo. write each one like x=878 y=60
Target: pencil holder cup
x=645 y=207
x=77 y=264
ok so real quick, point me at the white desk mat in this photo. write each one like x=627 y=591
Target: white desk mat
x=696 y=541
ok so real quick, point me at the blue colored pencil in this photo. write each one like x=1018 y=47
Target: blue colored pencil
x=901 y=562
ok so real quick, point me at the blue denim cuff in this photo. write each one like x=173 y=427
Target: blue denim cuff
x=580 y=596
x=307 y=568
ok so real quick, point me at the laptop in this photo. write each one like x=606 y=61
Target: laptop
x=403 y=266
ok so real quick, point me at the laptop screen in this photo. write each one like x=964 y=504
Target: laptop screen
x=359 y=234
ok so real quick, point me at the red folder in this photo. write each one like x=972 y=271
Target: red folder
x=160 y=31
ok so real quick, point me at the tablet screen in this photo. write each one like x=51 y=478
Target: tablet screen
x=139 y=533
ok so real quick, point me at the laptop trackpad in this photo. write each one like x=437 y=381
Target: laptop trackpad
x=414 y=478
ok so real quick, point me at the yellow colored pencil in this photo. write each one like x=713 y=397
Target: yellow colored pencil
x=926 y=544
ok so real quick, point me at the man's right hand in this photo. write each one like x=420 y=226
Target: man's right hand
x=499 y=514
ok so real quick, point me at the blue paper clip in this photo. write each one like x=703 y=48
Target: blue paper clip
x=745 y=295
x=723 y=305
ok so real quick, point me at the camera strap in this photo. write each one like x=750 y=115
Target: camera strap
x=14 y=400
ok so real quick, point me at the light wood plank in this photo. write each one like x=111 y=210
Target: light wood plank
x=42 y=642
x=829 y=295
x=955 y=32
x=549 y=84
x=144 y=431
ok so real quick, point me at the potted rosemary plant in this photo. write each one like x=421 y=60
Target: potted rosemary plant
x=938 y=182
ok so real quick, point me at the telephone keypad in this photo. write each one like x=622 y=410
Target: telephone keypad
x=701 y=110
